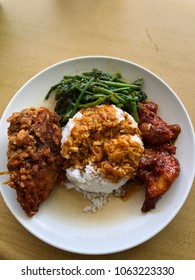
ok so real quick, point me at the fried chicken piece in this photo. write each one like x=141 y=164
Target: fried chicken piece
x=154 y=130
x=158 y=170
x=33 y=153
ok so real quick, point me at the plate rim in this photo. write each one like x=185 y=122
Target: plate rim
x=22 y=222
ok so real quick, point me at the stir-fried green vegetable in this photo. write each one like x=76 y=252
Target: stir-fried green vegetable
x=95 y=88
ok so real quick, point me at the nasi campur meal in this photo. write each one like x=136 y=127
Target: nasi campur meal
x=102 y=134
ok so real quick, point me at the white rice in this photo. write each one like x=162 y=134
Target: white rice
x=89 y=182
x=92 y=181
x=119 y=114
x=96 y=200
x=92 y=185
x=66 y=130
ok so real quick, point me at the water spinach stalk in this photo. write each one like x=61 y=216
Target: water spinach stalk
x=95 y=88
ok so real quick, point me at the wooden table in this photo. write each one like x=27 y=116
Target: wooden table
x=160 y=35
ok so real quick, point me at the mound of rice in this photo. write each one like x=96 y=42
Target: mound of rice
x=102 y=147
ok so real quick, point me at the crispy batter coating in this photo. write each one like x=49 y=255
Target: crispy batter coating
x=34 y=156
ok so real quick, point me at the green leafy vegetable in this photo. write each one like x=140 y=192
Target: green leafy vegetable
x=95 y=88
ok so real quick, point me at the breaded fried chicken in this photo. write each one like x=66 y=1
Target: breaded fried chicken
x=34 y=158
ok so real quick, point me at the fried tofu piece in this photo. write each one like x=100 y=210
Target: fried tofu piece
x=33 y=153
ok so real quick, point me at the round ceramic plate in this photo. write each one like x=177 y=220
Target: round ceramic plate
x=120 y=225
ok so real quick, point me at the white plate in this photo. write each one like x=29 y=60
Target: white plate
x=120 y=225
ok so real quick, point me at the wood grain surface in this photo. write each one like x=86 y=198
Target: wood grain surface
x=159 y=35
